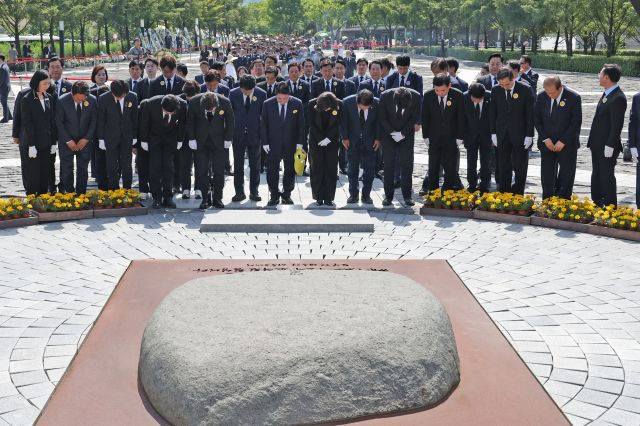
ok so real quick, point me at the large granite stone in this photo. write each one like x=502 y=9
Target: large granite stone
x=290 y=347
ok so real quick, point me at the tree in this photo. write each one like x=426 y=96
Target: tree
x=614 y=19
x=14 y=18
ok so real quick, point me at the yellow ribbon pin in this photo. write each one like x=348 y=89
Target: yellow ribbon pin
x=562 y=103
x=334 y=112
x=221 y=112
x=515 y=96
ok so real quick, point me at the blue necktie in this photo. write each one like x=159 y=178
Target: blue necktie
x=328 y=86
x=282 y=112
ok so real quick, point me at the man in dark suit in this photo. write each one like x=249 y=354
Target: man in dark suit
x=350 y=61
x=456 y=81
x=375 y=84
x=162 y=130
x=558 y=118
x=118 y=131
x=514 y=66
x=360 y=132
x=144 y=87
x=442 y=130
x=339 y=69
x=477 y=136
x=362 y=66
x=5 y=88
x=210 y=131
x=634 y=140
x=204 y=69
x=399 y=115
x=135 y=76
x=327 y=83
x=76 y=120
x=604 y=137
x=496 y=63
x=528 y=73
x=213 y=83
x=246 y=101
x=169 y=82
x=335 y=55
x=282 y=131
x=142 y=156
x=511 y=130
x=298 y=87
x=270 y=82
x=308 y=68
x=403 y=77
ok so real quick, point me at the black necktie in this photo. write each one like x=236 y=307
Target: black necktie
x=478 y=110
x=168 y=86
x=553 y=106
x=361 y=78
x=134 y=83
x=78 y=112
x=209 y=115
x=442 y=105
x=247 y=103
x=375 y=88
x=118 y=107
x=327 y=86
x=509 y=98
x=362 y=121
x=402 y=81
x=282 y=112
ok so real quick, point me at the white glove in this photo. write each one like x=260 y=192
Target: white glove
x=459 y=142
x=54 y=149
x=193 y=144
x=634 y=153
x=608 y=151
x=426 y=143
x=144 y=145
x=135 y=141
x=101 y=145
x=33 y=152
x=299 y=146
x=528 y=141
x=227 y=144
x=266 y=148
x=179 y=145
x=494 y=140
x=324 y=142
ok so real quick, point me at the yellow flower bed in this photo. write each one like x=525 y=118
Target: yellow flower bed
x=449 y=199
x=59 y=202
x=14 y=208
x=619 y=218
x=505 y=202
x=117 y=198
x=573 y=210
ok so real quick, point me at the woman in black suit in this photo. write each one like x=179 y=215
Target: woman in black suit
x=324 y=114
x=99 y=77
x=38 y=126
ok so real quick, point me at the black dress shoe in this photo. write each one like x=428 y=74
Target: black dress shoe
x=379 y=176
x=343 y=171
x=287 y=200
x=329 y=203
x=273 y=202
x=409 y=202
x=255 y=197
x=217 y=204
x=472 y=189
x=352 y=199
x=169 y=204
x=228 y=172
x=386 y=202
x=156 y=204
x=204 y=205
x=367 y=199
x=238 y=197
x=305 y=173
x=319 y=203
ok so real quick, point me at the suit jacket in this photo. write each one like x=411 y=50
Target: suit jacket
x=216 y=131
x=350 y=127
x=221 y=89
x=282 y=137
x=412 y=80
x=443 y=127
x=515 y=118
x=67 y=120
x=143 y=90
x=5 y=81
x=563 y=124
x=337 y=88
x=155 y=130
x=159 y=87
x=300 y=90
x=526 y=82
x=137 y=89
x=486 y=81
x=461 y=85
x=323 y=124
x=532 y=77
x=477 y=130
x=16 y=125
x=389 y=120
x=608 y=121
x=39 y=126
x=356 y=80
x=350 y=88
x=117 y=126
x=634 y=122
x=200 y=79
x=265 y=87
x=370 y=85
x=304 y=78
x=247 y=123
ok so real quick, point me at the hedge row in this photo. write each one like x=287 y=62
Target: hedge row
x=576 y=63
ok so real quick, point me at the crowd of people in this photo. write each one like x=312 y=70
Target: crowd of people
x=270 y=99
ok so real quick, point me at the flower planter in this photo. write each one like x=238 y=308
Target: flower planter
x=614 y=233
x=15 y=223
x=560 y=224
x=59 y=216
x=502 y=217
x=433 y=211
x=121 y=212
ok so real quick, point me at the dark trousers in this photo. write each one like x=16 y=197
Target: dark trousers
x=142 y=163
x=273 y=174
x=52 y=174
x=82 y=159
x=99 y=165
x=254 y=152
x=342 y=157
x=119 y=163
x=6 y=112
x=485 y=167
x=161 y=157
x=36 y=171
x=603 y=178
x=638 y=185
x=206 y=154
x=186 y=162
x=558 y=171
x=324 y=168
x=512 y=159
x=443 y=153
x=404 y=150
x=361 y=156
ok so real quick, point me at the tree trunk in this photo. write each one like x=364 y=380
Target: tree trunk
x=477 y=43
x=41 y=40
x=486 y=36
x=513 y=40
x=73 y=42
x=83 y=50
x=51 y=31
x=503 y=40
x=16 y=35
x=467 y=32
x=98 y=29
x=555 y=46
x=107 y=40
x=569 y=42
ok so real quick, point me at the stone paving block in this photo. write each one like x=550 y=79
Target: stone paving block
x=628 y=404
x=583 y=409
x=621 y=417
x=594 y=397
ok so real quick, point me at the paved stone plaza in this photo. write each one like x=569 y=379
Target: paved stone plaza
x=568 y=302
